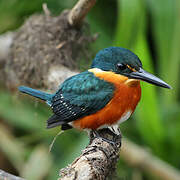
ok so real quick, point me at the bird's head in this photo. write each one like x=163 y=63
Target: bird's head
x=124 y=62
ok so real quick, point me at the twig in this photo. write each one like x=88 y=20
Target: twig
x=5 y=43
x=6 y=176
x=79 y=11
x=46 y=10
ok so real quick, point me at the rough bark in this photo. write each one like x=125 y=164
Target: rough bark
x=97 y=161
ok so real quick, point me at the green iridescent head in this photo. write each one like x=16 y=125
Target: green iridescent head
x=123 y=61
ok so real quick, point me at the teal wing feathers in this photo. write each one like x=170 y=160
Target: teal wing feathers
x=78 y=96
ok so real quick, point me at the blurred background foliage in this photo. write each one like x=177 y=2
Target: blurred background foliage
x=151 y=29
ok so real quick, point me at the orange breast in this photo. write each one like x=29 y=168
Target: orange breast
x=126 y=96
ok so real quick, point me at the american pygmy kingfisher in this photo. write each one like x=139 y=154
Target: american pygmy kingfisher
x=103 y=96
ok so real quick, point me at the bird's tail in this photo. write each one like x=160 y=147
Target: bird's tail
x=38 y=94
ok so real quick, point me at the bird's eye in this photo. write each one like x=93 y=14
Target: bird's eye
x=121 y=66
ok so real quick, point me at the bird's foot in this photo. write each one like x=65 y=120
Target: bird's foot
x=116 y=133
x=113 y=142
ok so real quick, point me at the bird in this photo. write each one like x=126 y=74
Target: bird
x=103 y=96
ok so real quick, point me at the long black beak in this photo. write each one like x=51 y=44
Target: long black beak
x=147 y=77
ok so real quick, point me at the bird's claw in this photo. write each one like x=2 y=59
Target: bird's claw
x=97 y=135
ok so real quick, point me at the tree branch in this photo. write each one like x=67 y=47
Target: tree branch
x=79 y=11
x=97 y=161
x=6 y=176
